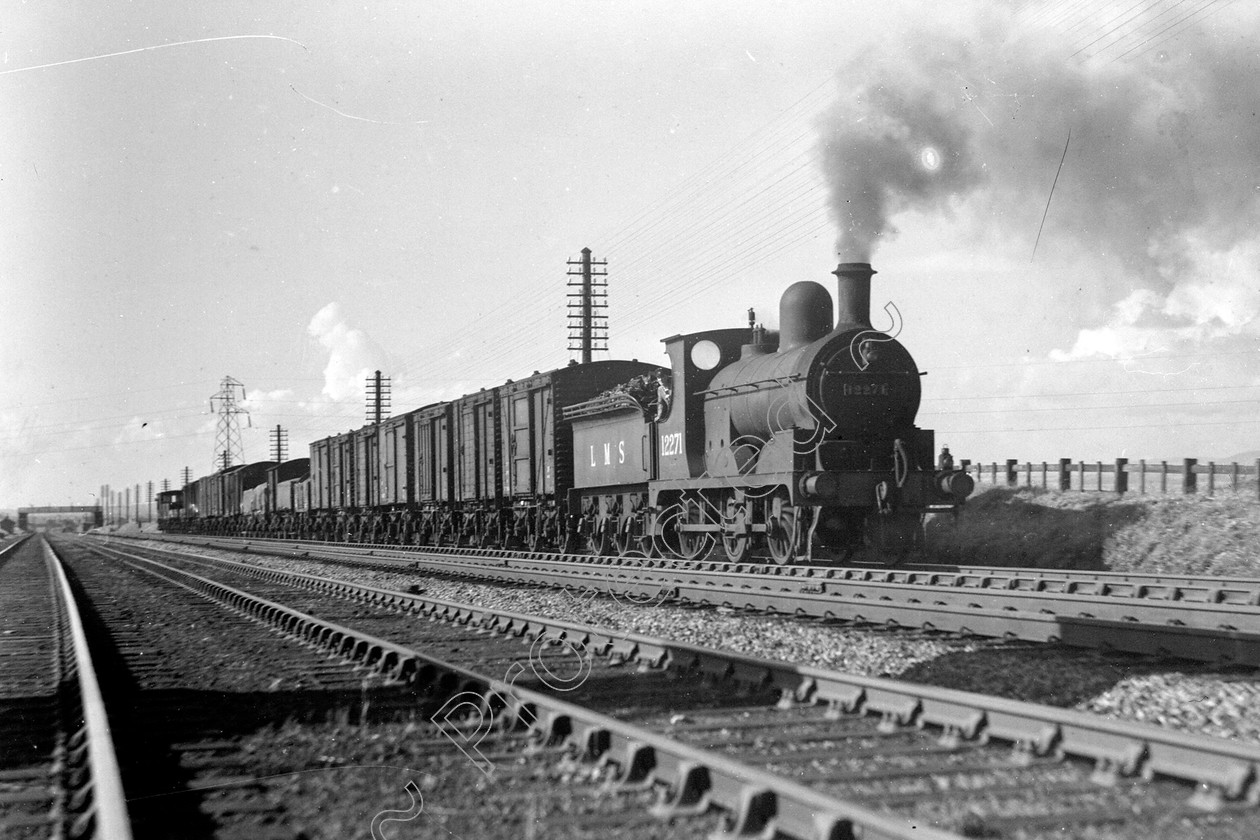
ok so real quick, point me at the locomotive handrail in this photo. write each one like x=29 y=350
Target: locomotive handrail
x=781 y=381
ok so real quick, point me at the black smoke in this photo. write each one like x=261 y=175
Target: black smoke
x=1165 y=145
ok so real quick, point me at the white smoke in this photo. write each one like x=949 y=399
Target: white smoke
x=352 y=355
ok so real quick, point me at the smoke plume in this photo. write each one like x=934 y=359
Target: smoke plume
x=1160 y=176
x=888 y=147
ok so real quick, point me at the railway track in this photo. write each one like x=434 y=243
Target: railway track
x=776 y=747
x=186 y=684
x=1211 y=620
x=59 y=772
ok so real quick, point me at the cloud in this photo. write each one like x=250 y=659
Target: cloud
x=352 y=355
x=1217 y=300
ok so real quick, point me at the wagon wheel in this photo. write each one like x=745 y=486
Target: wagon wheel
x=469 y=532
x=501 y=533
x=432 y=531
x=536 y=539
x=488 y=535
x=736 y=538
x=782 y=536
x=444 y=534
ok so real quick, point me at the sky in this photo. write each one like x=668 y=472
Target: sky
x=1061 y=200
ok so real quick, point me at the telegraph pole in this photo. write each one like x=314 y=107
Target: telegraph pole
x=377 y=398
x=279 y=444
x=588 y=325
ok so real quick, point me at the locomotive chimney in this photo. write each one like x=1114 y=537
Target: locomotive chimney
x=854 y=293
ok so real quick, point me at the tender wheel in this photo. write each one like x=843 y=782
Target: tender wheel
x=622 y=541
x=599 y=541
x=781 y=535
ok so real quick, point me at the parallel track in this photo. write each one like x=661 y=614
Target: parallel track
x=836 y=754
x=1197 y=619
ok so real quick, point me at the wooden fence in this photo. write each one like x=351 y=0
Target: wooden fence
x=1118 y=476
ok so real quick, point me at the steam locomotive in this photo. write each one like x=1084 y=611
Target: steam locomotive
x=799 y=445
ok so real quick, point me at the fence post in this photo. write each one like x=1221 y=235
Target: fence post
x=1142 y=477
x=1189 y=481
x=1080 y=465
x=1028 y=473
x=1233 y=476
x=1211 y=478
x=1045 y=474
x=1163 y=477
x=994 y=466
x=1065 y=474
x=1122 y=477
x=1012 y=472
x=1099 y=466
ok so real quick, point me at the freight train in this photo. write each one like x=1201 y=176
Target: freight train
x=798 y=445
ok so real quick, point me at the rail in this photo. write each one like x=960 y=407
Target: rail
x=110 y=818
x=1202 y=624
x=641 y=755
x=1221 y=770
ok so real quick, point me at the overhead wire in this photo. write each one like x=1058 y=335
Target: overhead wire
x=1134 y=34
x=1171 y=34
x=739 y=156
